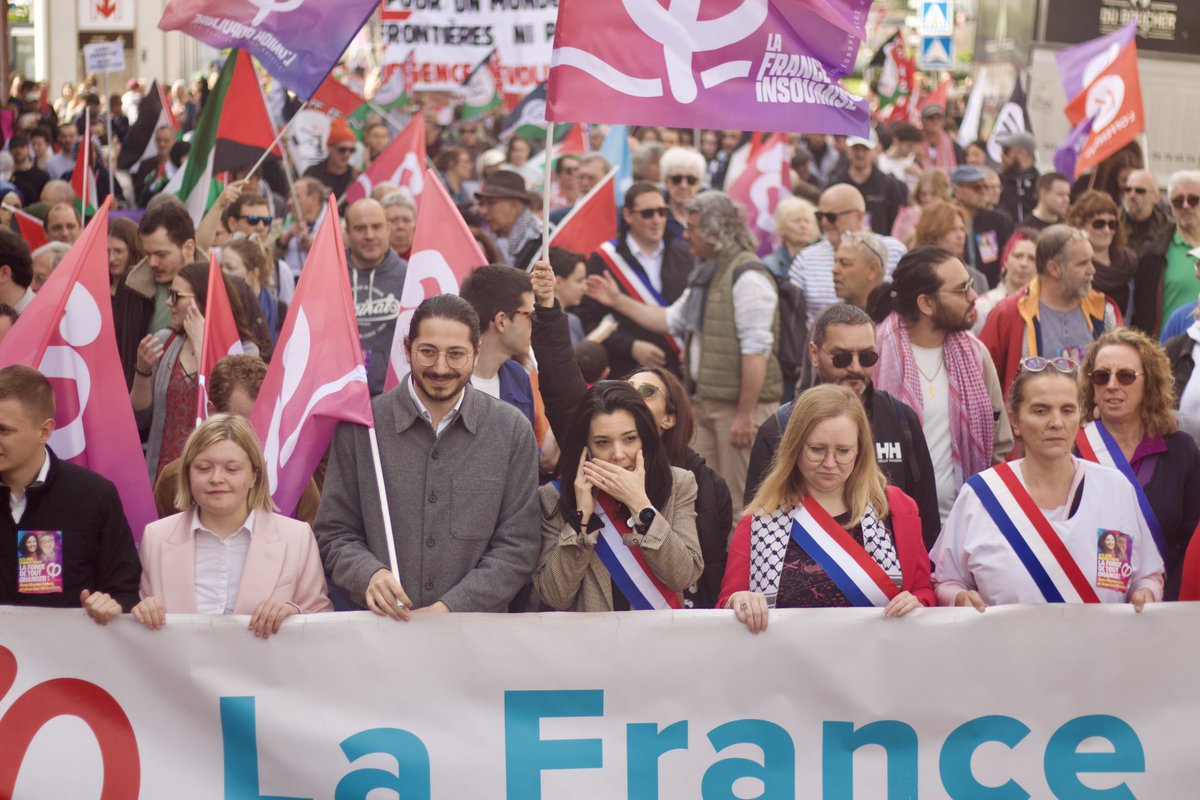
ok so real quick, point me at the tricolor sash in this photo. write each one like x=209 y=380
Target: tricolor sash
x=635 y=284
x=1031 y=536
x=1096 y=444
x=857 y=575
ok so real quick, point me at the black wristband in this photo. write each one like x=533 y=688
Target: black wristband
x=143 y=374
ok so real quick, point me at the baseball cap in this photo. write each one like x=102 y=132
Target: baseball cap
x=858 y=141
x=1021 y=139
x=932 y=110
x=968 y=173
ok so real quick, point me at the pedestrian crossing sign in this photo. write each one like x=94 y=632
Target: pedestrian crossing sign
x=937 y=18
x=936 y=53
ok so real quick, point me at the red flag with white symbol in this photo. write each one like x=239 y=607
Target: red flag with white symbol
x=221 y=337
x=1113 y=102
x=316 y=378
x=765 y=181
x=402 y=162
x=67 y=334
x=593 y=219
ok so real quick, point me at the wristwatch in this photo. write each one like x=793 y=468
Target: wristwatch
x=645 y=519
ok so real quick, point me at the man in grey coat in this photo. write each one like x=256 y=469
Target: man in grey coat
x=461 y=474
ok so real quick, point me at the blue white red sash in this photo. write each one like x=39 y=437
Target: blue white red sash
x=635 y=284
x=857 y=575
x=1031 y=536
x=1096 y=444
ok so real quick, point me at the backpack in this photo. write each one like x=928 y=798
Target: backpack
x=792 y=348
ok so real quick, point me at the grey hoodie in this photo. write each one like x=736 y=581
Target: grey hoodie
x=376 y=294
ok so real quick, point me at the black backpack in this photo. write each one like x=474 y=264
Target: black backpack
x=792 y=348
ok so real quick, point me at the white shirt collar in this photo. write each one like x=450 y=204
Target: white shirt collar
x=638 y=251
x=247 y=526
x=424 y=412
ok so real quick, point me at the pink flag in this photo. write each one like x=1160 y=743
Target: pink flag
x=220 y=334
x=443 y=254
x=402 y=162
x=765 y=181
x=67 y=333
x=316 y=378
x=593 y=219
x=762 y=64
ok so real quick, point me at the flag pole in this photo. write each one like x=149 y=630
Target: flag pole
x=547 y=168
x=110 y=165
x=85 y=152
x=278 y=138
x=383 y=505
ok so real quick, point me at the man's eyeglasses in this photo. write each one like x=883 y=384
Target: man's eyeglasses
x=1138 y=190
x=691 y=180
x=429 y=356
x=1179 y=201
x=1101 y=224
x=1125 y=376
x=174 y=295
x=1067 y=366
x=651 y=213
x=257 y=219
x=832 y=216
x=843 y=358
x=963 y=290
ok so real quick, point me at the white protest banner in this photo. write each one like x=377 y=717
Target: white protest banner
x=452 y=36
x=104 y=57
x=1048 y=701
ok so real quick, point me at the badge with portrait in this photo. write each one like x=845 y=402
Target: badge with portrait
x=1113 y=557
x=39 y=562
x=989 y=247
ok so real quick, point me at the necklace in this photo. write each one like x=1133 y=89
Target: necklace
x=936 y=372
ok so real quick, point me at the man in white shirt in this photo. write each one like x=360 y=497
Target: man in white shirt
x=503 y=299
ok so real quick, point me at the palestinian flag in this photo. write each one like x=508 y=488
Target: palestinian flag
x=154 y=112
x=83 y=178
x=395 y=90
x=483 y=89
x=896 y=76
x=528 y=119
x=32 y=229
x=232 y=133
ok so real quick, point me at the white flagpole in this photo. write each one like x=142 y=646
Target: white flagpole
x=278 y=138
x=111 y=165
x=383 y=505
x=549 y=166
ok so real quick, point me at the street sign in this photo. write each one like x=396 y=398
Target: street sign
x=104 y=57
x=106 y=15
x=937 y=52
x=937 y=17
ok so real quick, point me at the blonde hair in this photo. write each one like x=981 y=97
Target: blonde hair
x=1158 y=395
x=784 y=485
x=222 y=428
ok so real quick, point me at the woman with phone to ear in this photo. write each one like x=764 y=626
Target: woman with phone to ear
x=619 y=524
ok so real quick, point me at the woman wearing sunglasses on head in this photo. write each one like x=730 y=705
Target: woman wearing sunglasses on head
x=1095 y=214
x=1032 y=530
x=619 y=523
x=824 y=529
x=1128 y=393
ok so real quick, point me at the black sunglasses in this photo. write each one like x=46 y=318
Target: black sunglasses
x=843 y=358
x=1125 y=376
x=1185 y=199
x=1101 y=224
x=691 y=180
x=832 y=216
x=345 y=150
x=651 y=213
x=257 y=219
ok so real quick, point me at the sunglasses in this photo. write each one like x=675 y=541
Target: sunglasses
x=256 y=219
x=1101 y=224
x=832 y=216
x=1067 y=366
x=647 y=390
x=345 y=150
x=651 y=213
x=691 y=180
x=1180 y=201
x=1135 y=189
x=843 y=358
x=174 y=295
x=1125 y=377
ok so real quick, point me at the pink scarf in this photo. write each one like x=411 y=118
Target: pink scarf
x=972 y=426
x=944 y=157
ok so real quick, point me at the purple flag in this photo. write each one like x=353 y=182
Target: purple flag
x=1078 y=65
x=772 y=65
x=296 y=42
x=1068 y=152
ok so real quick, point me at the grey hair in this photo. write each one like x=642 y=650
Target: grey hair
x=588 y=158
x=1051 y=243
x=643 y=156
x=838 y=314
x=722 y=222
x=60 y=249
x=796 y=205
x=400 y=198
x=682 y=161
x=1183 y=176
x=6 y=165
x=866 y=240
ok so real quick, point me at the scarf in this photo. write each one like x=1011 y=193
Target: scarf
x=770 y=534
x=944 y=157
x=1189 y=399
x=525 y=228
x=972 y=425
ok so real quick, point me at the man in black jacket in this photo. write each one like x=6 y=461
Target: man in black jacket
x=67 y=522
x=843 y=352
x=645 y=257
x=987 y=230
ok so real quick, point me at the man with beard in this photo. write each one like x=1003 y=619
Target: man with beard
x=1018 y=175
x=843 y=352
x=460 y=469
x=1058 y=313
x=929 y=359
x=1143 y=215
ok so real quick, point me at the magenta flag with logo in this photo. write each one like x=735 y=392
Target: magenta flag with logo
x=443 y=254
x=402 y=162
x=765 y=181
x=1081 y=64
x=772 y=65
x=67 y=334
x=316 y=378
x=296 y=41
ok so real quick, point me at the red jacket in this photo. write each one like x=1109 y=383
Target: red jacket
x=906 y=532
x=1189 y=587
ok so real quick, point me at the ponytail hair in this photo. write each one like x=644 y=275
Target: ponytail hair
x=915 y=275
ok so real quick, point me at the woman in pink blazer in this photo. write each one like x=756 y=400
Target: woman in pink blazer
x=227 y=552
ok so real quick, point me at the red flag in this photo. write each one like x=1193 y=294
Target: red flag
x=316 y=378
x=940 y=96
x=32 y=229
x=221 y=336
x=765 y=181
x=443 y=254
x=402 y=162
x=593 y=219
x=1113 y=101
x=335 y=99
x=573 y=142
x=67 y=333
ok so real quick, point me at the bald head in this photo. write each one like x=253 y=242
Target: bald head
x=367 y=233
x=1141 y=194
x=57 y=192
x=840 y=209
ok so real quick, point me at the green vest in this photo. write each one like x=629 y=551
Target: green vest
x=720 y=374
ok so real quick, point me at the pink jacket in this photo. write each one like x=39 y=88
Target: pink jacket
x=281 y=564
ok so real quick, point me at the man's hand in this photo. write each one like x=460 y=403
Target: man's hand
x=741 y=431
x=543 y=284
x=386 y=597
x=647 y=354
x=231 y=192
